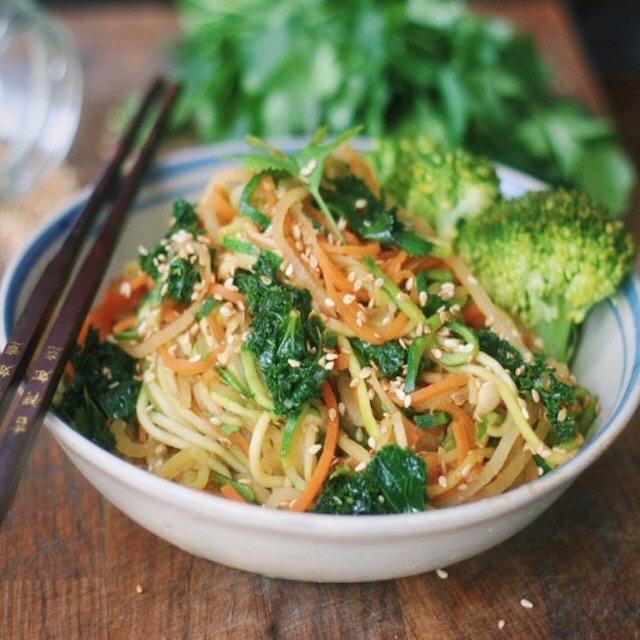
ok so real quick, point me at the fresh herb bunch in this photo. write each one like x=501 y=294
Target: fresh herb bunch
x=103 y=389
x=286 y=342
x=282 y=67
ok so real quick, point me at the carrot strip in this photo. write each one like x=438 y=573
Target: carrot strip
x=422 y=397
x=216 y=330
x=127 y=323
x=240 y=442
x=371 y=249
x=184 y=367
x=394 y=265
x=229 y=492
x=326 y=457
x=221 y=205
x=472 y=315
x=463 y=426
x=226 y=293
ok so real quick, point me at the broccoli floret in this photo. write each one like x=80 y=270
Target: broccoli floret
x=394 y=481
x=439 y=185
x=547 y=258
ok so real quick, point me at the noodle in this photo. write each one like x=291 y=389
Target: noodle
x=208 y=413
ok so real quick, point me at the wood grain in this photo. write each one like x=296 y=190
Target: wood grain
x=70 y=562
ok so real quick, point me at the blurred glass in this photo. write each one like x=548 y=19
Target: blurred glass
x=40 y=95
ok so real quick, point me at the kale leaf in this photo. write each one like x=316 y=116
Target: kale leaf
x=535 y=376
x=182 y=275
x=102 y=389
x=393 y=482
x=285 y=340
x=389 y=357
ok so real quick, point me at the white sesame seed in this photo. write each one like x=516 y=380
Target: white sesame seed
x=407 y=402
x=361 y=203
x=365 y=372
x=442 y=574
x=139 y=588
x=422 y=298
x=527 y=604
x=562 y=414
x=371 y=442
x=442 y=481
x=402 y=296
x=333 y=414
x=378 y=282
x=348 y=298
x=294 y=364
x=341 y=408
x=357 y=285
x=314 y=448
x=309 y=168
x=501 y=624
x=329 y=303
x=436 y=353
x=361 y=466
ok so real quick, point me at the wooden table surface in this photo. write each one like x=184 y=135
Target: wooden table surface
x=70 y=562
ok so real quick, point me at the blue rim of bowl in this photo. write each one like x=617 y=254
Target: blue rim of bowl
x=208 y=157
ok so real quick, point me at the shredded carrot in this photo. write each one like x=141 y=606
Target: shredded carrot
x=114 y=304
x=184 y=367
x=472 y=315
x=127 y=323
x=422 y=397
x=428 y=262
x=392 y=266
x=221 y=205
x=216 y=330
x=462 y=426
x=306 y=498
x=341 y=362
x=218 y=289
x=143 y=436
x=371 y=249
x=240 y=442
x=229 y=492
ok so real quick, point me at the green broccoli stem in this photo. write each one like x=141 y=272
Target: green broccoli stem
x=560 y=338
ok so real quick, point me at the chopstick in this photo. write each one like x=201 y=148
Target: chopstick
x=26 y=411
x=37 y=312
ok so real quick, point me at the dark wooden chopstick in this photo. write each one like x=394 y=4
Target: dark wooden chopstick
x=36 y=315
x=27 y=411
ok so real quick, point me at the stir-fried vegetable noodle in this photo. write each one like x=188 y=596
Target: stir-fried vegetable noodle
x=277 y=349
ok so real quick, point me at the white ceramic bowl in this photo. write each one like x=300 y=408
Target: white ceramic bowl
x=316 y=547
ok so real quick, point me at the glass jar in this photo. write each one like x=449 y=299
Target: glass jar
x=40 y=95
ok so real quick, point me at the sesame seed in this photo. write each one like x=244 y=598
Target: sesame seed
x=535 y=395
x=422 y=298
x=361 y=466
x=329 y=303
x=378 y=282
x=348 y=298
x=361 y=203
x=402 y=296
x=357 y=285
x=294 y=364
x=365 y=372
x=442 y=574
x=309 y=168
x=407 y=402
x=139 y=588
x=562 y=414
x=289 y=270
x=408 y=285
x=371 y=442
x=442 y=481
x=333 y=414
x=314 y=448
x=501 y=624
x=436 y=353
x=329 y=366
x=341 y=408
x=527 y=604
x=371 y=394
x=465 y=471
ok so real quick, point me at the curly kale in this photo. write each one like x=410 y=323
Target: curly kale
x=389 y=357
x=393 y=482
x=285 y=340
x=538 y=378
x=182 y=275
x=103 y=389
